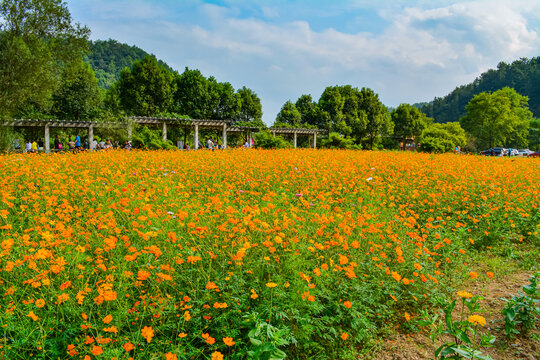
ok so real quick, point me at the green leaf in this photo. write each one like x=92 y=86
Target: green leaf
x=461 y=335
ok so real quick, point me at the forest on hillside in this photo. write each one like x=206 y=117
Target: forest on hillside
x=109 y=57
x=523 y=75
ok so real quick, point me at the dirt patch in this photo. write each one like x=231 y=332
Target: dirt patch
x=419 y=346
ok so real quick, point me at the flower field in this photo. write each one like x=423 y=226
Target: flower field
x=244 y=253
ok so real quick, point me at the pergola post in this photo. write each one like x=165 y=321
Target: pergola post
x=164 y=131
x=294 y=139
x=91 y=137
x=129 y=131
x=196 y=140
x=315 y=140
x=47 y=143
x=224 y=136
x=250 y=139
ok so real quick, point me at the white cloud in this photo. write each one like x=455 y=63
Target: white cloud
x=425 y=51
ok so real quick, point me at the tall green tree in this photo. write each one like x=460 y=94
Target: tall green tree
x=37 y=38
x=499 y=118
x=250 y=111
x=310 y=112
x=192 y=96
x=409 y=122
x=146 y=89
x=78 y=96
x=224 y=102
x=377 y=118
x=288 y=115
x=331 y=103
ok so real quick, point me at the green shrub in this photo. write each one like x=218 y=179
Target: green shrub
x=265 y=140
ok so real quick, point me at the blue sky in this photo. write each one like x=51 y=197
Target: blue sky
x=407 y=51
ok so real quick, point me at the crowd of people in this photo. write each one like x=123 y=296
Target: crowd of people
x=72 y=144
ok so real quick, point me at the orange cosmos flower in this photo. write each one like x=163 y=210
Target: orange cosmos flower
x=97 y=350
x=182 y=335
x=344 y=336
x=216 y=355
x=107 y=319
x=347 y=304
x=477 y=319
x=464 y=294
x=489 y=274
x=473 y=275
x=40 y=303
x=407 y=316
x=32 y=316
x=170 y=356
x=228 y=341
x=128 y=347
x=271 y=285
x=148 y=333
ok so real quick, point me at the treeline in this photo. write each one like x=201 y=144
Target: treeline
x=43 y=74
x=151 y=89
x=356 y=118
x=522 y=75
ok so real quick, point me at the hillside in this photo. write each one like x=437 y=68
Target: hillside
x=523 y=75
x=109 y=57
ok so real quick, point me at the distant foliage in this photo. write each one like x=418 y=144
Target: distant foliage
x=523 y=75
x=337 y=141
x=145 y=138
x=499 y=118
x=109 y=57
x=265 y=140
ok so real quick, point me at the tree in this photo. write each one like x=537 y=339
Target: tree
x=377 y=118
x=224 y=102
x=289 y=115
x=250 y=111
x=310 y=112
x=331 y=103
x=192 y=97
x=443 y=137
x=499 y=118
x=409 y=122
x=79 y=95
x=37 y=38
x=147 y=88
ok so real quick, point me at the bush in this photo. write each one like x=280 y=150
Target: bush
x=145 y=138
x=265 y=140
x=436 y=145
x=336 y=141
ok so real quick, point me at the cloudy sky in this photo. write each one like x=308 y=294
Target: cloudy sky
x=406 y=50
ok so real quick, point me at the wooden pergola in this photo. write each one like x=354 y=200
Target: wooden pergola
x=297 y=131
x=225 y=125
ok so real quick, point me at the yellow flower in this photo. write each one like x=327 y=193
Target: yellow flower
x=464 y=294
x=271 y=285
x=477 y=319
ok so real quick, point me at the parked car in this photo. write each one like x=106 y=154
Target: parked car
x=524 y=152
x=512 y=152
x=498 y=151
x=535 y=154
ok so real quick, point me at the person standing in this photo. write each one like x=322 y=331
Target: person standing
x=77 y=142
x=57 y=144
